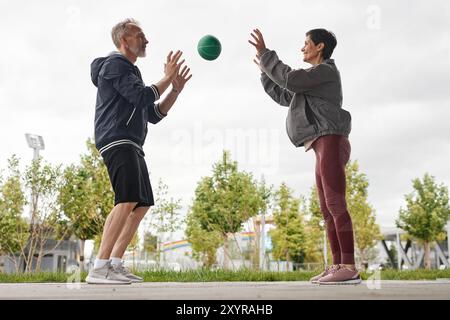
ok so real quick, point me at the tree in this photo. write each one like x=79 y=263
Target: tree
x=366 y=230
x=224 y=201
x=164 y=217
x=427 y=211
x=86 y=197
x=150 y=243
x=45 y=222
x=13 y=227
x=204 y=243
x=28 y=236
x=288 y=237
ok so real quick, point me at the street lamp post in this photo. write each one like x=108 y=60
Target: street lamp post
x=36 y=143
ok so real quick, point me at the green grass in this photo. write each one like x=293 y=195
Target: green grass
x=224 y=275
x=34 y=277
x=420 y=274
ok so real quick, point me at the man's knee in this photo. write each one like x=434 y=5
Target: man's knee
x=126 y=206
x=140 y=212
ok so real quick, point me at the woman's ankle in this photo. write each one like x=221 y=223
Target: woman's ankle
x=348 y=266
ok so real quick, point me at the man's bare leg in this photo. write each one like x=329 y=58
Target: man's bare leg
x=128 y=231
x=114 y=225
x=101 y=273
x=126 y=236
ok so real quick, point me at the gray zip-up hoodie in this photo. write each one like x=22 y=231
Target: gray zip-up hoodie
x=313 y=95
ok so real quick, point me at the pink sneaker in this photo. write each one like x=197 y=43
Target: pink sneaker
x=341 y=275
x=328 y=269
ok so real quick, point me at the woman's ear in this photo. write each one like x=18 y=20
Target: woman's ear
x=320 y=47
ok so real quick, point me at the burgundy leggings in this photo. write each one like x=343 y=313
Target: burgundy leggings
x=332 y=154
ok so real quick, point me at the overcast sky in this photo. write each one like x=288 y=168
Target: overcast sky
x=392 y=55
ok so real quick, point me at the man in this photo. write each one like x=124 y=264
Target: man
x=316 y=120
x=123 y=108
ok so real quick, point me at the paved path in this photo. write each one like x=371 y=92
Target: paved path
x=292 y=290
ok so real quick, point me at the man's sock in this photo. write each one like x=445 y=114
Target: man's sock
x=116 y=261
x=100 y=263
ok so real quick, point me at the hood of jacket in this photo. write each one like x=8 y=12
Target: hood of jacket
x=97 y=64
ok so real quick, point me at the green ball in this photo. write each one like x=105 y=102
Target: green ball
x=209 y=47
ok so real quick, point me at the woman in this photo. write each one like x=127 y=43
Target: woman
x=317 y=121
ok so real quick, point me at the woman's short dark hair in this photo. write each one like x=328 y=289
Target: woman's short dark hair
x=327 y=37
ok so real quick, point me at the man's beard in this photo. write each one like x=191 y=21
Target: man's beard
x=138 y=52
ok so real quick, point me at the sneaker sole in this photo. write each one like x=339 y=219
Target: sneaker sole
x=342 y=283
x=90 y=280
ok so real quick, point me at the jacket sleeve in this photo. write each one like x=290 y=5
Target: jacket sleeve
x=154 y=114
x=128 y=84
x=281 y=96
x=297 y=81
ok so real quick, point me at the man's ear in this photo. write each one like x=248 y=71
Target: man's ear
x=124 y=42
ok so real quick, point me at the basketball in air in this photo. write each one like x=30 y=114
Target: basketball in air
x=209 y=47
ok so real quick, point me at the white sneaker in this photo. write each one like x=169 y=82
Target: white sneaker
x=106 y=275
x=126 y=273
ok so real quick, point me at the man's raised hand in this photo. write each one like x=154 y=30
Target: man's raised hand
x=172 y=67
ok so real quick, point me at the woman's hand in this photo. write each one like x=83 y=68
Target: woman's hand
x=258 y=43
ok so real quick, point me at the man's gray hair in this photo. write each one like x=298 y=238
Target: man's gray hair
x=120 y=29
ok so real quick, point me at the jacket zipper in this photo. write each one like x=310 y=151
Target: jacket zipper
x=132 y=114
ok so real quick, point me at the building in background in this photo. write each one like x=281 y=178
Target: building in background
x=63 y=258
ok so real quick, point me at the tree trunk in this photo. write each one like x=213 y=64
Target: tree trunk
x=426 y=257
x=13 y=258
x=82 y=242
x=225 y=252
x=256 y=243
x=30 y=247
x=40 y=255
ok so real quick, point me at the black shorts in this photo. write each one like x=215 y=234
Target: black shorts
x=129 y=175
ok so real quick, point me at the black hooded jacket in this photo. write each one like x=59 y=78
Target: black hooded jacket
x=124 y=104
